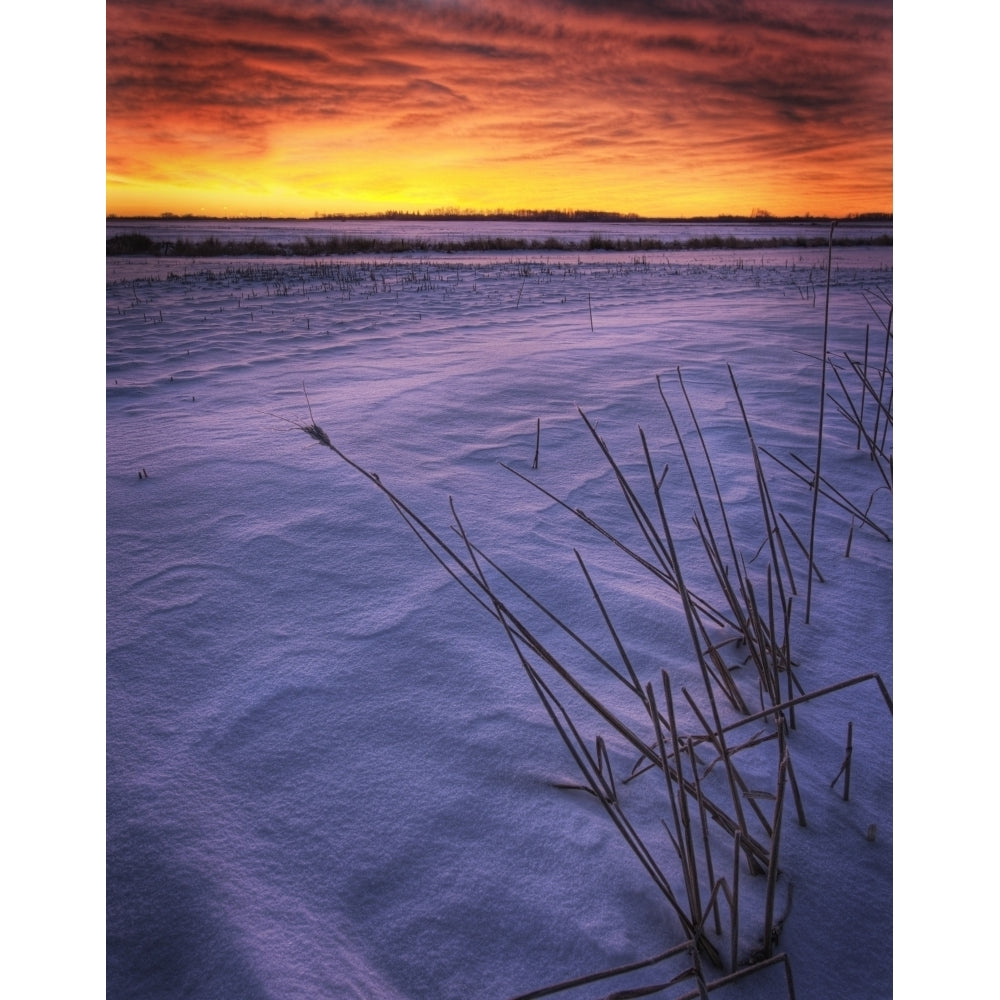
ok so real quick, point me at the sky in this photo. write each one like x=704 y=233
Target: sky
x=657 y=107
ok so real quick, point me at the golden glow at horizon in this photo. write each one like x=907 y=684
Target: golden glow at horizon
x=292 y=108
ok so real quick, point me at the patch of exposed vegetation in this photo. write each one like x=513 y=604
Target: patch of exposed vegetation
x=131 y=243
x=349 y=245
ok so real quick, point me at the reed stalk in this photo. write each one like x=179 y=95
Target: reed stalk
x=845 y=768
x=833 y=495
x=757 y=852
x=713 y=904
x=855 y=418
x=734 y=927
x=682 y=813
x=798 y=541
x=789 y=673
x=821 y=693
x=735 y=977
x=819 y=435
x=767 y=507
x=704 y=527
x=704 y=607
x=776 y=656
x=862 y=400
x=629 y=682
x=726 y=681
x=870 y=390
x=885 y=431
x=520 y=637
x=876 y=394
x=619 y=645
x=884 y=370
x=772 y=868
x=596 y=977
x=838 y=498
x=689 y=614
x=675 y=835
x=604 y=765
x=581 y=755
x=690 y=469
x=518 y=633
x=664 y=556
x=796 y=796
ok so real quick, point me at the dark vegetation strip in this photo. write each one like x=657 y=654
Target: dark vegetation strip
x=757 y=217
x=132 y=244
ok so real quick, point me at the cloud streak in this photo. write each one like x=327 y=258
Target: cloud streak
x=655 y=107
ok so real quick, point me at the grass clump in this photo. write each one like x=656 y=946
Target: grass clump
x=130 y=244
x=694 y=795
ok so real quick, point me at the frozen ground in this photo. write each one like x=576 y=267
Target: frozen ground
x=328 y=773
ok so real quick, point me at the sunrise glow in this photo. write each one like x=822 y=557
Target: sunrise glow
x=305 y=107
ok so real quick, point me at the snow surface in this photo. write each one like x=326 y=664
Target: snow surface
x=327 y=772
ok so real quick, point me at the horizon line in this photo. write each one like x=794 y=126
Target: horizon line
x=520 y=215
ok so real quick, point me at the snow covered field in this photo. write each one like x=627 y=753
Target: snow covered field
x=329 y=773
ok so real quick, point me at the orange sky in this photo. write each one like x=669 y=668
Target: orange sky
x=669 y=108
